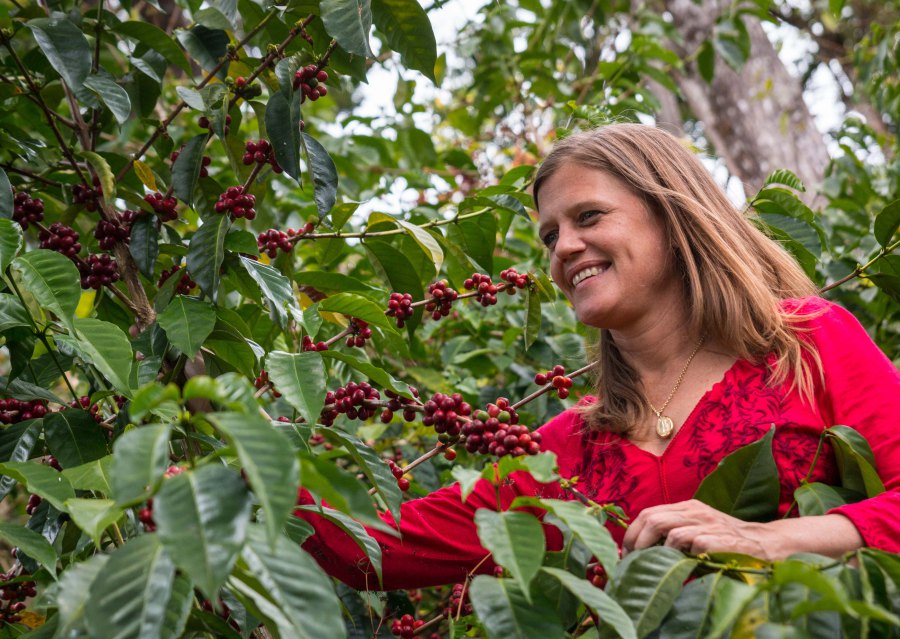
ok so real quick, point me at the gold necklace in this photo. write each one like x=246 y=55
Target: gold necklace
x=664 y=424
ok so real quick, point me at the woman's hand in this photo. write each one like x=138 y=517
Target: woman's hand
x=693 y=527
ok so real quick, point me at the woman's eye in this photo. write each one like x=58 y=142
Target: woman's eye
x=587 y=216
x=549 y=238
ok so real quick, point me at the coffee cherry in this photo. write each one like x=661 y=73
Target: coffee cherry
x=110 y=232
x=84 y=403
x=262 y=380
x=260 y=152
x=403 y=484
x=406 y=627
x=205 y=161
x=356 y=401
x=308 y=345
x=558 y=380
x=240 y=82
x=27 y=210
x=400 y=306
x=443 y=412
x=496 y=431
x=360 y=333
x=185 y=283
x=87 y=195
x=449 y=454
x=519 y=280
x=204 y=123
x=597 y=575
x=396 y=403
x=33 y=502
x=60 y=238
x=442 y=298
x=486 y=290
x=310 y=81
x=13 y=595
x=459 y=602
x=98 y=270
x=269 y=242
x=163 y=206
x=236 y=203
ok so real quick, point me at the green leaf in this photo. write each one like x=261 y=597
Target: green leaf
x=477 y=237
x=202 y=519
x=426 y=242
x=745 y=483
x=505 y=613
x=205 y=46
x=731 y=597
x=855 y=461
x=65 y=47
x=144 y=244
x=193 y=99
x=140 y=457
x=690 y=616
x=7 y=205
x=355 y=530
x=610 y=612
x=187 y=322
x=266 y=456
x=407 y=31
x=74 y=592
x=31 y=543
x=206 y=251
x=277 y=290
x=186 y=170
x=467 y=478
x=12 y=313
x=112 y=95
x=532 y=316
x=41 y=480
x=94 y=475
x=370 y=371
x=287 y=586
x=887 y=222
x=706 y=61
x=349 y=22
x=154 y=38
x=11 y=241
x=283 y=126
x=340 y=489
x=648 y=582
x=817 y=498
x=107 y=347
x=786 y=177
x=372 y=465
x=27 y=391
x=74 y=438
x=94 y=516
x=300 y=378
x=354 y=305
x=516 y=540
x=16 y=443
x=230 y=390
x=52 y=279
x=131 y=598
x=324 y=173
x=150 y=397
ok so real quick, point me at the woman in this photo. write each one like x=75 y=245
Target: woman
x=709 y=336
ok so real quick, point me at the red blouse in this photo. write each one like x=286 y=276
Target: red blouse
x=439 y=542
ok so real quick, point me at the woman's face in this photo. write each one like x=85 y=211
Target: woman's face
x=608 y=253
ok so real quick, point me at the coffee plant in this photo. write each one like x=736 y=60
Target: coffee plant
x=223 y=284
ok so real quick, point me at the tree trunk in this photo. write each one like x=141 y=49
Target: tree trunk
x=756 y=119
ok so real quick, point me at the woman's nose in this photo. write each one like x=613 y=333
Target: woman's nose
x=568 y=242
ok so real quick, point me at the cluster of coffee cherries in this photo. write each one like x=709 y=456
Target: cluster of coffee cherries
x=262 y=380
x=397 y=472
x=459 y=602
x=359 y=333
x=397 y=403
x=27 y=210
x=13 y=596
x=309 y=227
x=308 y=345
x=351 y=400
x=98 y=270
x=13 y=411
x=236 y=203
x=145 y=514
x=405 y=627
x=84 y=403
x=597 y=575
x=557 y=378
x=261 y=153
x=205 y=161
x=442 y=298
x=204 y=123
x=185 y=284
x=33 y=502
x=163 y=206
x=496 y=431
x=311 y=81
x=486 y=290
x=60 y=238
x=269 y=242
x=443 y=412
x=110 y=232
x=86 y=195
x=400 y=306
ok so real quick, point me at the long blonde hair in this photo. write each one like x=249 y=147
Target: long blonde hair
x=734 y=276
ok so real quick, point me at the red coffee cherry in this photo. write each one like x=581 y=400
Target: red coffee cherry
x=110 y=232
x=98 y=270
x=273 y=240
x=84 y=403
x=262 y=380
x=236 y=203
x=558 y=380
x=459 y=602
x=27 y=210
x=185 y=284
x=406 y=626
x=60 y=238
x=163 y=206
x=597 y=575
x=308 y=345
x=86 y=195
x=260 y=152
x=400 y=306
x=496 y=431
x=396 y=403
x=442 y=298
x=360 y=333
x=310 y=81
x=356 y=401
x=486 y=290
x=519 y=280
x=444 y=413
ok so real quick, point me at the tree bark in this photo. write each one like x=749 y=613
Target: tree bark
x=756 y=119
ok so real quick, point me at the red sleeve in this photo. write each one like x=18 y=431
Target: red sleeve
x=862 y=391
x=438 y=541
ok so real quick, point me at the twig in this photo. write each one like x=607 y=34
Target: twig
x=860 y=269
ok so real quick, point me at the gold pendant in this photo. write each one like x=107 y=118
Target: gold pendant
x=664 y=426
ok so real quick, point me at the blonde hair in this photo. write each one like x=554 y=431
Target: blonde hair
x=734 y=276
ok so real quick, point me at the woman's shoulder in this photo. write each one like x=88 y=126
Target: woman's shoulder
x=811 y=314
x=566 y=429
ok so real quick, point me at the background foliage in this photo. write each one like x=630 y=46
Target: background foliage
x=159 y=422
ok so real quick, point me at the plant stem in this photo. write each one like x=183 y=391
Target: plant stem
x=548 y=387
x=859 y=270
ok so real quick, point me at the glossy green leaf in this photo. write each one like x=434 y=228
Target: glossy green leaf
x=206 y=46
x=324 y=174
x=130 y=599
x=6 y=198
x=349 y=22
x=356 y=531
x=144 y=244
x=267 y=457
x=16 y=443
x=354 y=305
x=745 y=483
x=65 y=47
x=41 y=480
x=817 y=498
x=377 y=375
x=277 y=290
x=506 y=613
x=516 y=540
x=706 y=61
x=111 y=94
x=730 y=600
x=202 y=519
x=74 y=592
x=230 y=390
x=104 y=173
x=74 y=437
x=532 y=316
x=52 y=279
x=283 y=127
x=94 y=516
x=477 y=237
x=192 y=98
x=340 y=489
x=12 y=313
x=372 y=465
x=155 y=38
x=300 y=378
x=95 y=475
x=140 y=457
x=31 y=543
x=887 y=222
x=206 y=252
x=855 y=461
x=11 y=241
x=150 y=397
x=407 y=31
x=648 y=582
x=786 y=177
x=610 y=612
x=690 y=616
x=289 y=588
x=398 y=271
x=108 y=348
x=187 y=322
x=426 y=242
x=186 y=169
